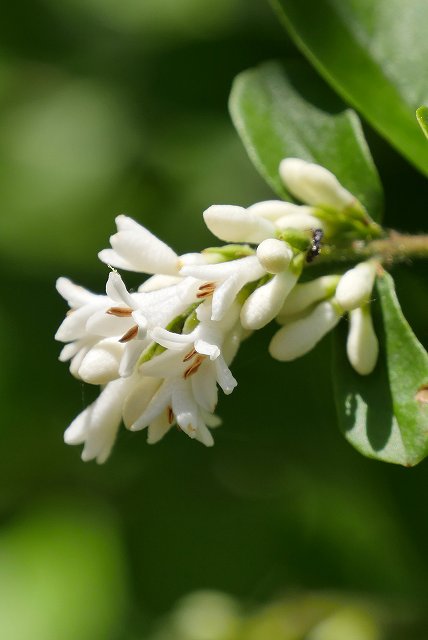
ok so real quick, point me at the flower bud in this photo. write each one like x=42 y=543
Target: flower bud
x=234 y=224
x=297 y=338
x=362 y=345
x=314 y=184
x=274 y=255
x=264 y=303
x=302 y=221
x=275 y=209
x=101 y=364
x=355 y=286
x=305 y=295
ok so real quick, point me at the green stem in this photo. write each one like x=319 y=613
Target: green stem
x=393 y=247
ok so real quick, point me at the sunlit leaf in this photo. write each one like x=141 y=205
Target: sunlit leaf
x=407 y=364
x=422 y=117
x=385 y=415
x=287 y=111
x=375 y=55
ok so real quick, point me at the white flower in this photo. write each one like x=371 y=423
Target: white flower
x=355 y=286
x=224 y=281
x=362 y=345
x=134 y=248
x=84 y=305
x=96 y=427
x=313 y=184
x=298 y=337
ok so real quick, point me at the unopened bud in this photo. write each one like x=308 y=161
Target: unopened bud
x=313 y=184
x=264 y=303
x=305 y=295
x=101 y=363
x=362 y=345
x=274 y=255
x=355 y=286
x=235 y=224
x=297 y=338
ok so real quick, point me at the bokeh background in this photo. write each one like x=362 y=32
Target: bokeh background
x=281 y=531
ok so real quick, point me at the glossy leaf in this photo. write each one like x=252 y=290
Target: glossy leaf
x=364 y=407
x=288 y=111
x=385 y=415
x=407 y=364
x=422 y=117
x=375 y=55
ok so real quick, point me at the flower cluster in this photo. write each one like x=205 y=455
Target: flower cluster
x=160 y=353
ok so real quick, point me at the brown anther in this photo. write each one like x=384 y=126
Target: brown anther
x=130 y=335
x=206 y=290
x=190 y=355
x=120 y=312
x=170 y=415
x=193 y=367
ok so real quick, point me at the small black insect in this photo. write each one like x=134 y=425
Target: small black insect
x=315 y=247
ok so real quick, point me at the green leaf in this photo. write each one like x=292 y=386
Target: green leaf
x=375 y=55
x=364 y=407
x=385 y=415
x=422 y=118
x=407 y=363
x=282 y=111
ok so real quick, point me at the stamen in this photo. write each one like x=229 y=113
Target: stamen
x=120 y=312
x=190 y=355
x=193 y=367
x=170 y=415
x=206 y=290
x=130 y=335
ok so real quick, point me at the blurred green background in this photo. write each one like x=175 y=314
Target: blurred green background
x=283 y=530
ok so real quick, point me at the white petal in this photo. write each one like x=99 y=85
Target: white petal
x=73 y=326
x=107 y=325
x=224 y=376
x=207 y=349
x=275 y=209
x=169 y=363
x=265 y=302
x=135 y=246
x=75 y=295
x=117 y=291
x=362 y=345
x=137 y=401
x=170 y=340
x=223 y=270
x=203 y=434
x=131 y=355
x=235 y=224
x=98 y=424
x=204 y=387
x=299 y=337
x=101 y=364
x=185 y=408
x=157 y=405
x=158 y=428
x=211 y=420
x=158 y=282
x=301 y=221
